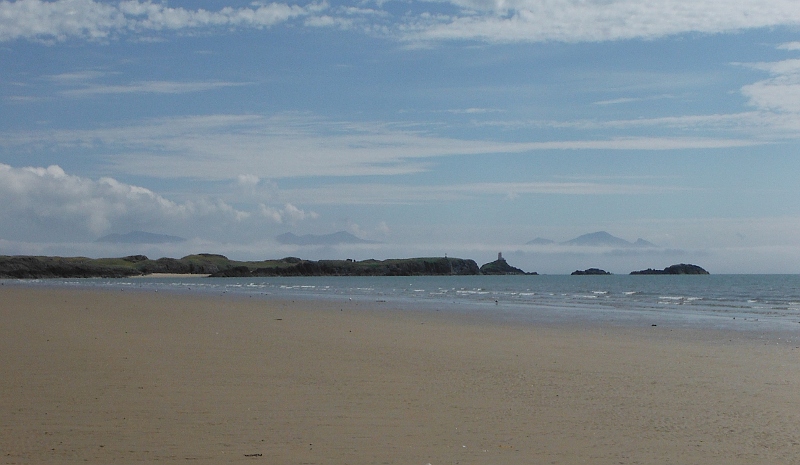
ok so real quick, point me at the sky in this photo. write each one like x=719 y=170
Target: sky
x=458 y=127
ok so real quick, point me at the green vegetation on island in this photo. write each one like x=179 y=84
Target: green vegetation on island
x=432 y=266
x=43 y=267
x=32 y=267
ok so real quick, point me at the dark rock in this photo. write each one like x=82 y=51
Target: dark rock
x=590 y=271
x=500 y=267
x=682 y=268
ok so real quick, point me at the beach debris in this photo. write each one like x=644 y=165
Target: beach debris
x=252 y=455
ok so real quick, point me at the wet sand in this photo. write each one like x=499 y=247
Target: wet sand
x=137 y=377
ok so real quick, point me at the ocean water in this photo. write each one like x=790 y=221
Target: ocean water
x=737 y=302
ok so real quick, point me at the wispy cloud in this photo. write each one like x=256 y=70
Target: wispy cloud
x=150 y=87
x=789 y=46
x=472 y=111
x=389 y=194
x=623 y=100
x=76 y=77
x=83 y=83
x=282 y=146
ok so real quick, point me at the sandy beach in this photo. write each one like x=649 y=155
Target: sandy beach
x=136 y=377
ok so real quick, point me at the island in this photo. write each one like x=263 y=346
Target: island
x=590 y=272
x=501 y=267
x=42 y=267
x=220 y=266
x=293 y=266
x=682 y=268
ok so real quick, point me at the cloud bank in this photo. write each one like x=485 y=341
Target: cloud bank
x=92 y=20
x=598 y=20
x=48 y=204
x=482 y=20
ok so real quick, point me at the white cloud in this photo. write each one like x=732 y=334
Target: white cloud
x=88 y=19
x=378 y=233
x=789 y=46
x=328 y=21
x=248 y=179
x=49 y=198
x=288 y=214
x=598 y=20
x=48 y=204
x=781 y=92
x=483 y=20
x=295 y=215
x=777 y=68
x=58 y=20
x=623 y=100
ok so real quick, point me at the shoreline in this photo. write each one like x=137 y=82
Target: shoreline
x=781 y=329
x=171 y=275
x=102 y=375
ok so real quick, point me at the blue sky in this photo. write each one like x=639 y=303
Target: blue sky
x=464 y=127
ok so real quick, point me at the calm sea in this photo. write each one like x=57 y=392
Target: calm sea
x=739 y=302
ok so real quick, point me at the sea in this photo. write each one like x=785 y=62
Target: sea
x=747 y=303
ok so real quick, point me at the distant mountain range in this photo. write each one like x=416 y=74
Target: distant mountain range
x=341 y=237
x=140 y=237
x=596 y=239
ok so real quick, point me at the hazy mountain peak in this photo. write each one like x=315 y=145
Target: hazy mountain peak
x=599 y=239
x=540 y=241
x=596 y=239
x=341 y=237
x=140 y=237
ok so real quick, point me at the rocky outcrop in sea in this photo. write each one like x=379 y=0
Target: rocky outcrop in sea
x=682 y=268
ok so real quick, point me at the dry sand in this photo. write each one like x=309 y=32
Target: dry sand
x=133 y=377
